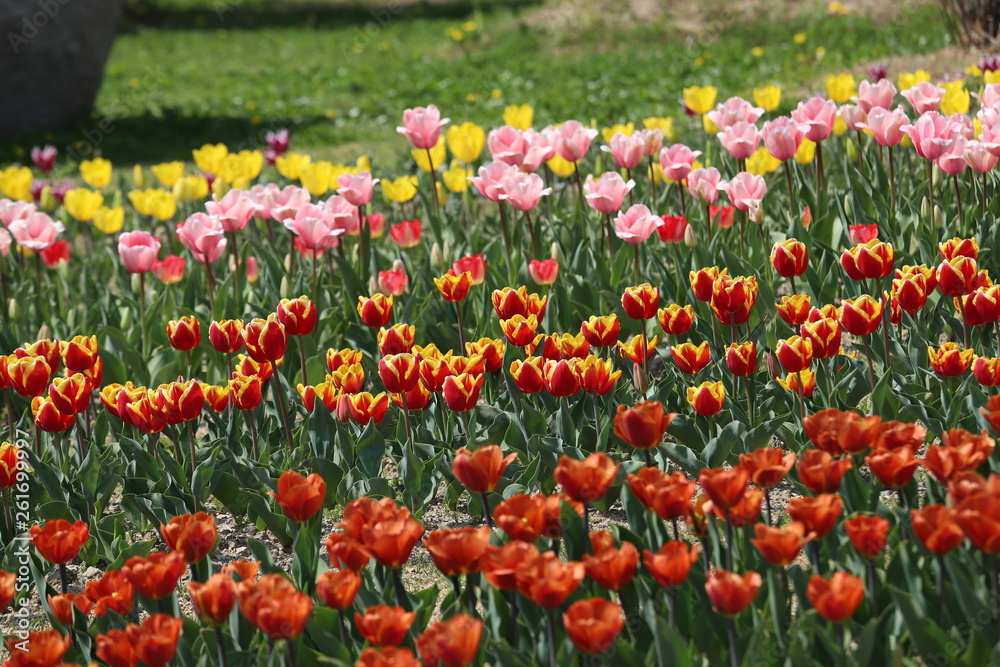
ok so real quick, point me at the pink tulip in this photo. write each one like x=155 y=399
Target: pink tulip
x=627 y=152
x=605 y=195
x=964 y=126
x=422 y=126
x=543 y=271
x=853 y=116
x=258 y=194
x=44 y=158
x=871 y=95
x=277 y=141
x=5 y=241
x=14 y=210
x=988 y=116
x=990 y=96
x=138 y=251
x=170 y=270
x=952 y=161
x=932 y=134
x=394 y=281
x=524 y=191
x=36 y=231
x=924 y=97
x=979 y=157
x=204 y=236
x=734 y=110
x=490 y=180
x=703 y=184
x=574 y=141
x=507 y=144
x=862 y=233
x=652 y=141
x=283 y=202
x=234 y=210
x=990 y=139
x=356 y=188
x=782 y=137
x=636 y=224
x=314 y=226
x=818 y=115
x=677 y=161
x=745 y=189
x=886 y=126
x=342 y=215
x=740 y=139
x=541 y=149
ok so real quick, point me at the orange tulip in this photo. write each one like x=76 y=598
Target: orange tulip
x=611 y=568
x=733 y=298
x=837 y=598
x=155 y=576
x=461 y=392
x=521 y=517
x=667 y=495
x=391 y=540
x=62 y=606
x=729 y=592
x=452 y=643
x=958 y=247
x=936 y=528
x=59 y=541
x=767 y=466
x=818 y=515
x=10 y=456
x=298 y=496
x=820 y=472
x=500 y=564
x=112 y=592
x=601 y=330
x=597 y=376
x=979 y=518
x=780 y=546
x=245 y=569
x=867 y=534
x=383 y=625
x=893 y=467
x=274 y=606
x=338 y=588
x=115 y=647
x=642 y=425
x=480 y=470
x=194 y=535
x=347 y=552
x=671 y=564
x=824 y=335
x=991 y=412
x=638 y=348
x=986 y=371
x=29 y=375
x=365 y=407
x=587 y=480
x=837 y=432
x=387 y=656
x=156 y=640
x=38 y=649
x=957 y=276
x=48 y=417
x=561 y=378
x=547 y=581
x=184 y=334
x=593 y=625
x=528 y=375
x=214 y=599
x=266 y=340
x=742 y=359
x=724 y=486
x=508 y=302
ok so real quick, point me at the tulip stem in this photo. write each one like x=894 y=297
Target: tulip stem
x=461 y=326
x=930 y=189
x=579 y=184
x=291 y=652
x=708 y=222
x=211 y=286
x=531 y=231
x=63 y=581
x=552 y=636
x=680 y=188
x=315 y=277
x=235 y=250
x=652 y=180
x=871 y=587
x=983 y=180
x=486 y=509
x=871 y=372
x=729 y=541
x=734 y=658
x=586 y=527
x=219 y=644
x=958 y=203
x=677 y=535
x=965 y=323
x=401 y=598
x=793 y=204
x=342 y=627
x=506 y=241
x=635 y=263
x=611 y=234
x=79 y=437
x=767 y=505
x=820 y=180
x=940 y=579
x=194 y=465
x=6 y=512
x=671 y=606
x=142 y=315
x=10 y=416
x=597 y=425
x=276 y=390
x=892 y=184
x=302 y=360
x=434 y=187
x=514 y=613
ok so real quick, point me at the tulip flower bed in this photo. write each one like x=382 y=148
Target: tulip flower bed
x=768 y=350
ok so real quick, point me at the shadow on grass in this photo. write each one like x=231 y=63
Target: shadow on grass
x=147 y=138
x=260 y=14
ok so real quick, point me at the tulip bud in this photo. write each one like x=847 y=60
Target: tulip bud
x=925 y=208
x=47 y=200
x=373 y=285
x=639 y=379
x=852 y=151
x=13 y=309
x=938 y=222
x=285 y=287
x=848 y=207
x=137 y=177
x=756 y=213
x=436 y=258
x=690 y=239
x=555 y=252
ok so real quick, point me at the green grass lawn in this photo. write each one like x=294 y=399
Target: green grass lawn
x=187 y=72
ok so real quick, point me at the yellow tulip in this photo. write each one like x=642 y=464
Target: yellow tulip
x=806 y=152
x=438 y=155
x=15 y=183
x=956 y=98
x=839 y=126
x=168 y=173
x=138 y=178
x=47 y=200
x=220 y=188
x=700 y=99
x=710 y=127
x=991 y=77
x=238 y=169
x=189 y=188
x=109 y=220
x=977 y=126
x=162 y=204
x=466 y=141
x=561 y=167
x=315 y=177
x=841 y=87
x=519 y=116
x=767 y=97
x=82 y=203
x=96 y=173
x=290 y=165
x=442 y=195
x=456 y=179
x=364 y=163
x=209 y=157
x=973 y=70
x=400 y=190
x=627 y=129
x=908 y=80
x=665 y=124
x=762 y=162
x=140 y=201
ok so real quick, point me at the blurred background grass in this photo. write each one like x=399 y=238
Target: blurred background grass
x=338 y=74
